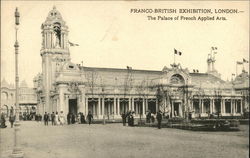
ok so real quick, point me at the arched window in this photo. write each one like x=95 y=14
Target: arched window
x=57 y=34
x=177 y=79
x=4 y=95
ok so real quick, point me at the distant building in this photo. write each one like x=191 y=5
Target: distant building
x=72 y=88
x=27 y=98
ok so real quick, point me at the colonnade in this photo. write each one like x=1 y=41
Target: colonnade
x=115 y=106
x=226 y=106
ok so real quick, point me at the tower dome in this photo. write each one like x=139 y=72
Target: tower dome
x=55 y=33
x=54 y=15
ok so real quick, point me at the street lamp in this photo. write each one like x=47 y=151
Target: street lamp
x=17 y=152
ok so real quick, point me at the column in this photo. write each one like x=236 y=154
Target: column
x=241 y=108
x=231 y=106
x=221 y=105
x=103 y=106
x=202 y=106
x=115 y=106
x=129 y=104
x=86 y=106
x=211 y=106
x=172 y=108
x=146 y=103
x=133 y=104
x=143 y=107
x=136 y=108
x=118 y=106
x=109 y=109
x=82 y=99
x=99 y=108
x=61 y=98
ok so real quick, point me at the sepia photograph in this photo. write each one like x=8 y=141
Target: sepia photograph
x=124 y=79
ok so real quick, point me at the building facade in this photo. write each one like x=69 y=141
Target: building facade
x=27 y=98
x=67 y=87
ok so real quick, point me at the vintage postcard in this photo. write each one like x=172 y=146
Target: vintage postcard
x=124 y=79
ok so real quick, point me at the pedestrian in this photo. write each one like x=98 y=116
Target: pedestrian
x=2 y=121
x=148 y=117
x=90 y=117
x=61 y=118
x=82 y=118
x=131 y=119
x=69 y=118
x=79 y=118
x=159 y=119
x=56 y=119
x=53 y=118
x=124 y=119
x=46 y=119
x=12 y=120
x=73 y=119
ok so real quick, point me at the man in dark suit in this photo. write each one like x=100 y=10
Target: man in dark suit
x=53 y=118
x=124 y=119
x=159 y=118
x=90 y=117
x=46 y=119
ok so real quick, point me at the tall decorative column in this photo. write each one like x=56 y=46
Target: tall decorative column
x=17 y=151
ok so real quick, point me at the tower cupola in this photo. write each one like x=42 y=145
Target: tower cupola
x=54 y=33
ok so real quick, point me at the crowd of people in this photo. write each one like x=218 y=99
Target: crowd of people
x=58 y=118
x=150 y=118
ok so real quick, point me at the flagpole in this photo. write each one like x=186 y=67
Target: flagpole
x=174 y=57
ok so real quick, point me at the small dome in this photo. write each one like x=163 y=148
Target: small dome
x=54 y=14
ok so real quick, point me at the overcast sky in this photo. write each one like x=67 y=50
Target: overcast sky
x=110 y=36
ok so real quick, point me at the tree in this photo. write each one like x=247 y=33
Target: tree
x=91 y=78
x=128 y=85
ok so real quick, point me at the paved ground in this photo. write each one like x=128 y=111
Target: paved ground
x=116 y=141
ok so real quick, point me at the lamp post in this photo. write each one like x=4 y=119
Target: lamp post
x=17 y=152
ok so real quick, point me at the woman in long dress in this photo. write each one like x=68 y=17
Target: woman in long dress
x=56 y=118
x=61 y=118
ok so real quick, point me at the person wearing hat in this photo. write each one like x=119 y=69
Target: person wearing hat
x=159 y=118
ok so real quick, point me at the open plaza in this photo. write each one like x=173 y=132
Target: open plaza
x=115 y=140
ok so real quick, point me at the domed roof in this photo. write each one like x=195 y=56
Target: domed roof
x=54 y=14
